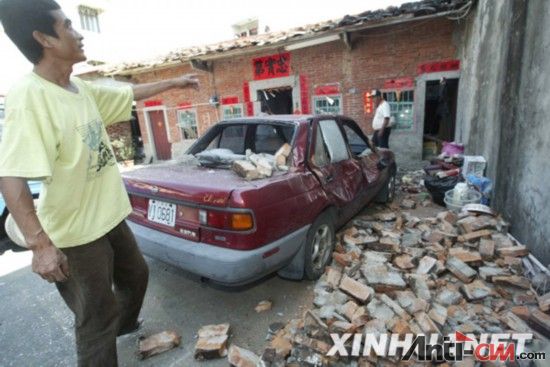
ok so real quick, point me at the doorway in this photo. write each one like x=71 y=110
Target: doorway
x=439 y=115
x=160 y=134
x=276 y=101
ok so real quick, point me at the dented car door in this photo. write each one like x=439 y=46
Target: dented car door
x=330 y=159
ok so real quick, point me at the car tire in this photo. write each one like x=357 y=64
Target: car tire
x=387 y=193
x=3 y=233
x=319 y=246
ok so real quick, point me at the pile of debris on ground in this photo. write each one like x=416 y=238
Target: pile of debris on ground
x=396 y=273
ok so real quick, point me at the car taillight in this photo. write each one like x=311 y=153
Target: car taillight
x=226 y=220
x=139 y=204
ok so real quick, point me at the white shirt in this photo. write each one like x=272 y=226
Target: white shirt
x=382 y=111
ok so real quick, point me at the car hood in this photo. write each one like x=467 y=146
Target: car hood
x=189 y=183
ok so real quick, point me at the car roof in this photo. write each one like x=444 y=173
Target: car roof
x=278 y=118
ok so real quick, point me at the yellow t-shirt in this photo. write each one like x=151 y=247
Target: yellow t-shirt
x=59 y=137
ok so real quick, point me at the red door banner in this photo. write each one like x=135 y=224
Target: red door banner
x=438 y=66
x=273 y=66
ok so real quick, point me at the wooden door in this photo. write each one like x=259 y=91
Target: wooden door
x=160 y=137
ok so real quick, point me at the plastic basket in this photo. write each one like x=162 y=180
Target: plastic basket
x=469 y=197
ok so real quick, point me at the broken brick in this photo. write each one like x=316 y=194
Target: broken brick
x=474 y=235
x=426 y=265
x=212 y=342
x=471 y=258
x=408 y=204
x=476 y=290
x=386 y=216
x=355 y=289
x=381 y=279
x=401 y=327
x=410 y=302
x=515 y=323
x=420 y=287
x=460 y=269
x=333 y=277
x=240 y=357
x=349 y=309
x=544 y=302
x=246 y=170
x=314 y=344
x=513 y=251
x=512 y=280
x=426 y=324
x=395 y=307
x=438 y=314
x=342 y=259
x=342 y=327
x=281 y=343
x=541 y=321
x=403 y=262
x=380 y=311
x=487 y=249
x=522 y=312
x=158 y=343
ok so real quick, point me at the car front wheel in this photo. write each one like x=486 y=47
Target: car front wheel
x=387 y=192
x=319 y=246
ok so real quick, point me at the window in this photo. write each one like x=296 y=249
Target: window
x=334 y=141
x=401 y=106
x=323 y=105
x=357 y=144
x=187 y=121
x=269 y=138
x=320 y=156
x=233 y=138
x=89 y=18
x=232 y=111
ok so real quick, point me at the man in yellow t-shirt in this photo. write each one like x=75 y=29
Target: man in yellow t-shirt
x=55 y=132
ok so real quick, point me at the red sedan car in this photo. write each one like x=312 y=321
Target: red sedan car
x=207 y=220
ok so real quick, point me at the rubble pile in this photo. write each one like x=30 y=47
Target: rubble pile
x=257 y=166
x=393 y=272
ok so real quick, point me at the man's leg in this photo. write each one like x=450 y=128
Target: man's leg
x=88 y=293
x=385 y=140
x=130 y=276
x=375 y=138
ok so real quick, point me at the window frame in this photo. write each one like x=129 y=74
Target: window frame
x=195 y=126
x=89 y=18
x=395 y=105
x=339 y=97
x=228 y=106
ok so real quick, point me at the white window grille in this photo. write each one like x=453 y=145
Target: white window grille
x=187 y=122
x=89 y=19
x=331 y=105
x=401 y=107
x=232 y=111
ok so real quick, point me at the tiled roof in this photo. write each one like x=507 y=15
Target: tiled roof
x=349 y=22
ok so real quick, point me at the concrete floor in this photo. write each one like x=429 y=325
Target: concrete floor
x=36 y=326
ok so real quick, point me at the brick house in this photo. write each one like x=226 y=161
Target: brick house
x=328 y=67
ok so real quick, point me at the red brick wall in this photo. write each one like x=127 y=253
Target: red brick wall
x=377 y=55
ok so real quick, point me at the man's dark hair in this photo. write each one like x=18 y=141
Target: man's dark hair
x=22 y=17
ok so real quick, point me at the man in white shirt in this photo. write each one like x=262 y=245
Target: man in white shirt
x=381 y=121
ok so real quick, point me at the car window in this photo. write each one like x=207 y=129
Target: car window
x=335 y=143
x=356 y=142
x=269 y=138
x=233 y=138
x=320 y=156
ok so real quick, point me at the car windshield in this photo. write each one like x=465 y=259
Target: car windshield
x=227 y=143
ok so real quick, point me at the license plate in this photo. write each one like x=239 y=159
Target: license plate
x=161 y=212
